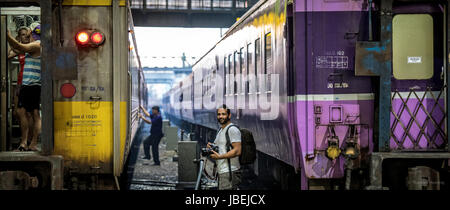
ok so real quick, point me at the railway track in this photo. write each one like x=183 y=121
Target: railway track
x=149 y=184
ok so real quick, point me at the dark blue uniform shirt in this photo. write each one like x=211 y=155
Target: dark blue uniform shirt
x=156 y=128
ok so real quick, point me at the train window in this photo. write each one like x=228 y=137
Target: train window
x=257 y=60
x=234 y=71
x=204 y=85
x=207 y=84
x=268 y=58
x=225 y=67
x=243 y=69
x=229 y=73
x=412 y=61
x=249 y=63
x=213 y=81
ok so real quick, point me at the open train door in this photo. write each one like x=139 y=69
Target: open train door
x=12 y=19
x=409 y=60
x=27 y=169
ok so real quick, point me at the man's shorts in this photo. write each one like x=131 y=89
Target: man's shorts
x=226 y=184
x=30 y=97
x=17 y=90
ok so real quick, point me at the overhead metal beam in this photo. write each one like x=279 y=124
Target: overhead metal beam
x=185 y=13
x=159 y=81
x=174 y=70
x=168 y=18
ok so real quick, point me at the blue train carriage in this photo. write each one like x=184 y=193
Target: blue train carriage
x=358 y=108
x=92 y=87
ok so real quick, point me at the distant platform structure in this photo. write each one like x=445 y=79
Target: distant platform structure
x=188 y=13
x=165 y=75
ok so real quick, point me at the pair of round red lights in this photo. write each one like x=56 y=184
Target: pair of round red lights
x=95 y=38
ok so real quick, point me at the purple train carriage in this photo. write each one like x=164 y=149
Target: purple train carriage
x=339 y=94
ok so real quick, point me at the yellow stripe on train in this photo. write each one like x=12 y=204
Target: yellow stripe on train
x=84 y=134
x=91 y=2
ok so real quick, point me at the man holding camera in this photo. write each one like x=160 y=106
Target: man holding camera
x=227 y=158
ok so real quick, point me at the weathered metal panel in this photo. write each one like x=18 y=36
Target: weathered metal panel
x=84 y=124
x=368 y=58
x=375 y=59
x=412 y=46
x=47 y=57
x=65 y=63
x=116 y=39
x=56 y=171
x=3 y=97
x=377 y=158
x=94 y=65
x=447 y=64
x=92 y=2
x=188 y=151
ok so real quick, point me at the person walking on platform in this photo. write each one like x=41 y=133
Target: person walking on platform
x=155 y=133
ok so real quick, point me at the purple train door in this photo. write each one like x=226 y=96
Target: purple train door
x=418 y=115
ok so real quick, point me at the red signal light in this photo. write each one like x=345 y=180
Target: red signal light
x=82 y=37
x=90 y=38
x=97 y=38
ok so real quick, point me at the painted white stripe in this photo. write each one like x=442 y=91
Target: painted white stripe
x=358 y=96
x=332 y=97
x=419 y=94
x=32 y=74
x=32 y=65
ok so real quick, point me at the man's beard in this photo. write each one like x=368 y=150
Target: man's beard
x=225 y=121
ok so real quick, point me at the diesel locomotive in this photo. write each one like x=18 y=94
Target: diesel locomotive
x=339 y=94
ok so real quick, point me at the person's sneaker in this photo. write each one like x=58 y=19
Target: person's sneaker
x=156 y=164
x=145 y=157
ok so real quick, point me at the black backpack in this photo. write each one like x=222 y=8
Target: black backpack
x=248 y=147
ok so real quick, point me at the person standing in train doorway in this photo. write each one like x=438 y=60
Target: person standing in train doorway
x=155 y=133
x=30 y=91
x=228 y=156
x=23 y=36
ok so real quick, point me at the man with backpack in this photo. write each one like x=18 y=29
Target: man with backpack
x=227 y=159
x=237 y=151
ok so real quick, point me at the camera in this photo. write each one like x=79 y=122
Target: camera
x=208 y=151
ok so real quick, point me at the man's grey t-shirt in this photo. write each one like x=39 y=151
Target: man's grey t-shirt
x=221 y=141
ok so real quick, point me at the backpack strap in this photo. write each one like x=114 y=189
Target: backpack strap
x=229 y=146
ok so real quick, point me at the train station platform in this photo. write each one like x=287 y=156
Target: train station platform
x=142 y=174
